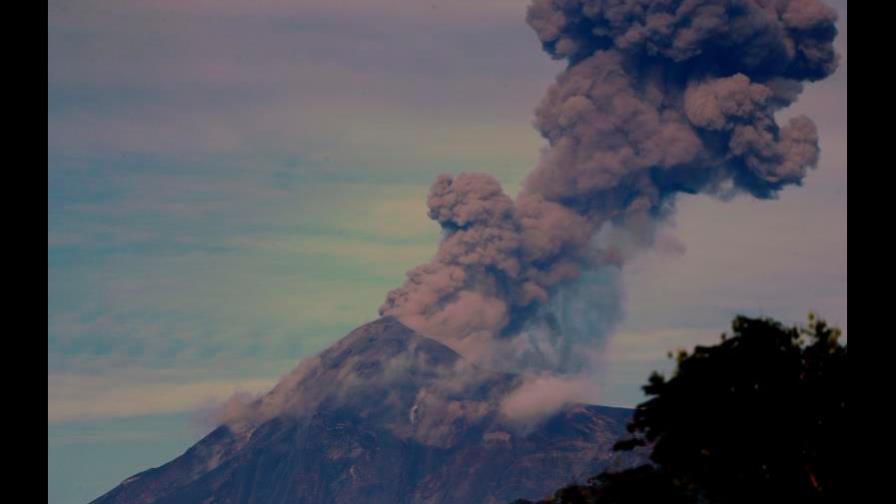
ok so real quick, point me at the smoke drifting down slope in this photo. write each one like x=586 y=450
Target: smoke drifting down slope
x=658 y=98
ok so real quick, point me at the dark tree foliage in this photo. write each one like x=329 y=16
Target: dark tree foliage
x=759 y=417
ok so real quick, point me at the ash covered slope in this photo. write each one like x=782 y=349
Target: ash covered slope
x=384 y=415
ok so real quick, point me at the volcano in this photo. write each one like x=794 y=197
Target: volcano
x=385 y=415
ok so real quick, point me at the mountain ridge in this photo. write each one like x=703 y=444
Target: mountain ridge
x=383 y=415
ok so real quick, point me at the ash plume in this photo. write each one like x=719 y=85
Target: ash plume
x=659 y=97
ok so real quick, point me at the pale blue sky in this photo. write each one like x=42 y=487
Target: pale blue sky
x=231 y=187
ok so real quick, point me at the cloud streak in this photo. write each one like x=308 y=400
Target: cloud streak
x=84 y=397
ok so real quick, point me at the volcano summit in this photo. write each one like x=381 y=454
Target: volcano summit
x=383 y=416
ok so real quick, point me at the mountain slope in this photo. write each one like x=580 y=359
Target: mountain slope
x=384 y=415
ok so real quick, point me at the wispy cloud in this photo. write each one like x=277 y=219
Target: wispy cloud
x=136 y=393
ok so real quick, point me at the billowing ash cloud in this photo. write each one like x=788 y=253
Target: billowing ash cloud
x=659 y=97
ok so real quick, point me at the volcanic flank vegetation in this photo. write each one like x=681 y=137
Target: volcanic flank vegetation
x=473 y=385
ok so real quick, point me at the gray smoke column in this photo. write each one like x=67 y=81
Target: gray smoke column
x=659 y=97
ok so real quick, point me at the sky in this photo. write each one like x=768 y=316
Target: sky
x=233 y=185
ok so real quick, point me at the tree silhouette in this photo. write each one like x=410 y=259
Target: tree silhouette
x=758 y=417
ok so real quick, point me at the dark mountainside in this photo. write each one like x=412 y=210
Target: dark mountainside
x=384 y=415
